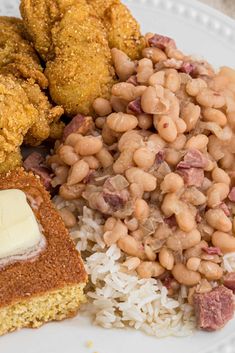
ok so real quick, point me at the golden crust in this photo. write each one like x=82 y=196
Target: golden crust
x=26 y=115
x=122 y=28
x=59 y=265
x=17 y=56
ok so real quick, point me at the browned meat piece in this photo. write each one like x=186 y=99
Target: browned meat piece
x=79 y=124
x=225 y=208
x=36 y=164
x=187 y=68
x=229 y=281
x=211 y=250
x=135 y=106
x=231 y=195
x=192 y=176
x=171 y=221
x=161 y=42
x=160 y=157
x=193 y=159
x=214 y=309
x=109 y=198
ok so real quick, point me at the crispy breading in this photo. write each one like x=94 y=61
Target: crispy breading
x=17 y=56
x=26 y=115
x=75 y=37
x=122 y=28
x=81 y=66
x=47 y=123
x=17 y=116
x=82 y=69
x=12 y=160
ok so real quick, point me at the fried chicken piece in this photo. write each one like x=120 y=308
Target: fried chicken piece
x=17 y=56
x=47 y=123
x=122 y=28
x=17 y=116
x=82 y=69
x=25 y=114
x=75 y=37
x=19 y=60
x=12 y=160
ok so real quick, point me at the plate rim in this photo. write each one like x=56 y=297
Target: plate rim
x=225 y=345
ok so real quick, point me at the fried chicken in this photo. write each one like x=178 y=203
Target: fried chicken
x=74 y=43
x=122 y=28
x=74 y=37
x=17 y=116
x=17 y=56
x=26 y=115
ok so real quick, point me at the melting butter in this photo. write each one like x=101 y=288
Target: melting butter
x=19 y=230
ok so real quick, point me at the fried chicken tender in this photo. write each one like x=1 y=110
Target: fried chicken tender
x=122 y=28
x=79 y=68
x=25 y=116
x=17 y=116
x=24 y=76
x=74 y=37
x=17 y=56
x=47 y=123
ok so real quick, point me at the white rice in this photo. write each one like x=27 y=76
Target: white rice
x=120 y=299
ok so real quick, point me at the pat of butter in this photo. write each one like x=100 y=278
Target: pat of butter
x=19 y=230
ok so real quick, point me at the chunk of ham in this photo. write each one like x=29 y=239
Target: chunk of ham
x=229 y=281
x=211 y=250
x=135 y=106
x=79 y=124
x=187 y=68
x=193 y=159
x=161 y=42
x=192 y=176
x=231 y=195
x=214 y=309
x=191 y=168
x=35 y=163
x=225 y=208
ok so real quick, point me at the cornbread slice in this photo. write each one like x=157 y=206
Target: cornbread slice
x=49 y=286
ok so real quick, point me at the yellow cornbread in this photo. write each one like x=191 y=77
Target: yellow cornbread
x=50 y=285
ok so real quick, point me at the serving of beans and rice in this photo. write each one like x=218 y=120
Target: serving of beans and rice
x=154 y=178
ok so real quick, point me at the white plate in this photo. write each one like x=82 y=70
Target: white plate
x=197 y=29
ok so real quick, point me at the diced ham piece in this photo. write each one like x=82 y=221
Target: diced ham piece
x=160 y=157
x=193 y=158
x=225 y=208
x=211 y=250
x=187 y=68
x=192 y=176
x=36 y=164
x=116 y=201
x=231 y=195
x=135 y=106
x=171 y=221
x=79 y=124
x=214 y=309
x=161 y=42
x=229 y=281
x=133 y=80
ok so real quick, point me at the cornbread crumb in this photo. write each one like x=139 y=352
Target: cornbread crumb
x=89 y=344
